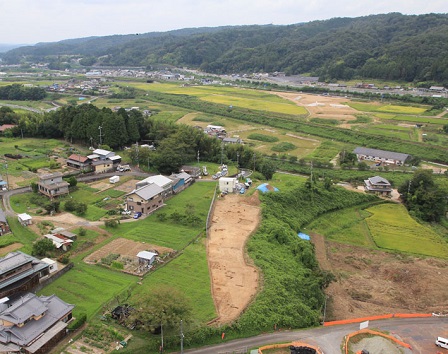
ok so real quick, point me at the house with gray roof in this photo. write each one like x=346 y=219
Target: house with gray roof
x=20 y=272
x=164 y=182
x=33 y=324
x=52 y=185
x=145 y=199
x=378 y=185
x=381 y=156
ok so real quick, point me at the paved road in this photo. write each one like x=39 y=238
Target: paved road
x=419 y=332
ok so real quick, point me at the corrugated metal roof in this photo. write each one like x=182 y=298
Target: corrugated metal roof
x=381 y=153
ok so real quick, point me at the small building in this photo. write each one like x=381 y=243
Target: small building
x=193 y=171
x=146 y=258
x=102 y=154
x=383 y=156
x=102 y=166
x=52 y=185
x=52 y=265
x=145 y=199
x=5 y=127
x=20 y=272
x=60 y=242
x=65 y=233
x=227 y=184
x=232 y=141
x=4 y=226
x=378 y=185
x=181 y=181
x=25 y=219
x=31 y=324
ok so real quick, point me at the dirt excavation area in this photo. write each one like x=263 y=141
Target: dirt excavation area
x=234 y=280
x=372 y=282
x=319 y=106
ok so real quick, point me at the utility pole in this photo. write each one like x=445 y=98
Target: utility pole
x=222 y=151
x=238 y=164
x=254 y=161
x=101 y=140
x=91 y=143
x=136 y=149
x=181 y=338
x=198 y=157
x=7 y=179
x=161 y=332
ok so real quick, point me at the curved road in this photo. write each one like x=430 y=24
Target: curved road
x=420 y=333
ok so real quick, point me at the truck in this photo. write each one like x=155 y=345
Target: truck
x=123 y=168
x=114 y=179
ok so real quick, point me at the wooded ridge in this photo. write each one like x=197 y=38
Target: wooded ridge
x=390 y=47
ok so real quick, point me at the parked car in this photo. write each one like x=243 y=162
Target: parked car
x=137 y=215
x=126 y=212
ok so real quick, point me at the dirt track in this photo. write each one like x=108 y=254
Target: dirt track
x=234 y=281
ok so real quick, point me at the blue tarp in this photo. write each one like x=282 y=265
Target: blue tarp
x=264 y=188
x=303 y=236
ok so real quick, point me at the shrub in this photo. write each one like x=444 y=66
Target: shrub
x=117 y=265
x=283 y=147
x=78 y=322
x=82 y=231
x=42 y=247
x=112 y=223
x=262 y=137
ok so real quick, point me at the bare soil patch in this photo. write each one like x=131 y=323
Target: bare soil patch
x=372 y=282
x=10 y=248
x=377 y=344
x=234 y=280
x=127 y=186
x=322 y=106
x=127 y=249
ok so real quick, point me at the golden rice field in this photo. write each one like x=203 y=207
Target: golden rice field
x=387 y=108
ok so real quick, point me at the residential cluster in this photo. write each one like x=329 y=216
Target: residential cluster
x=29 y=323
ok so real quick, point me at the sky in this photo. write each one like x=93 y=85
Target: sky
x=33 y=21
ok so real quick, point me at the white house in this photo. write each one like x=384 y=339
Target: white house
x=53 y=265
x=227 y=184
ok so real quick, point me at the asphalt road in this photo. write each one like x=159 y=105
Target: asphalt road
x=419 y=332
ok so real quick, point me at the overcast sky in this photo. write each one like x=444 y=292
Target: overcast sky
x=32 y=21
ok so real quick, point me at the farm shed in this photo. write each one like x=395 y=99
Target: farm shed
x=388 y=157
x=227 y=184
x=60 y=242
x=25 y=219
x=146 y=257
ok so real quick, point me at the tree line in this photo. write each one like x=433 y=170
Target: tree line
x=389 y=47
x=17 y=92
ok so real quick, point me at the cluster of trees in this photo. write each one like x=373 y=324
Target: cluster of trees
x=390 y=47
x=17 y=92
x=8 y=116
x=423 y=197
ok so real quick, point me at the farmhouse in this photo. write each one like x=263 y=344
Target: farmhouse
x=145 y=199
x=387 y=157
x=31 y=324
x=52 y=185
x=164 y=182
x=79 y=162
x=24 y=219
x=378 y=185
x=227 y=184
x=20 y=272
x=4 y=227
x=103 y=160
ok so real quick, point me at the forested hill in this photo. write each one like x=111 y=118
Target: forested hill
x=391 y=46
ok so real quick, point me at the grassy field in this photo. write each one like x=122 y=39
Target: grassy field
x=19 y=234
x=412 y=119
x=194 y=200
x=406 y=134
x=88 y=287
x=387 y=108
x=392 y=228
x=345 y=226
x=257 y=104
x=188 y=273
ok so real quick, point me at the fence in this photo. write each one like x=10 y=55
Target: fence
x=208 y=222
